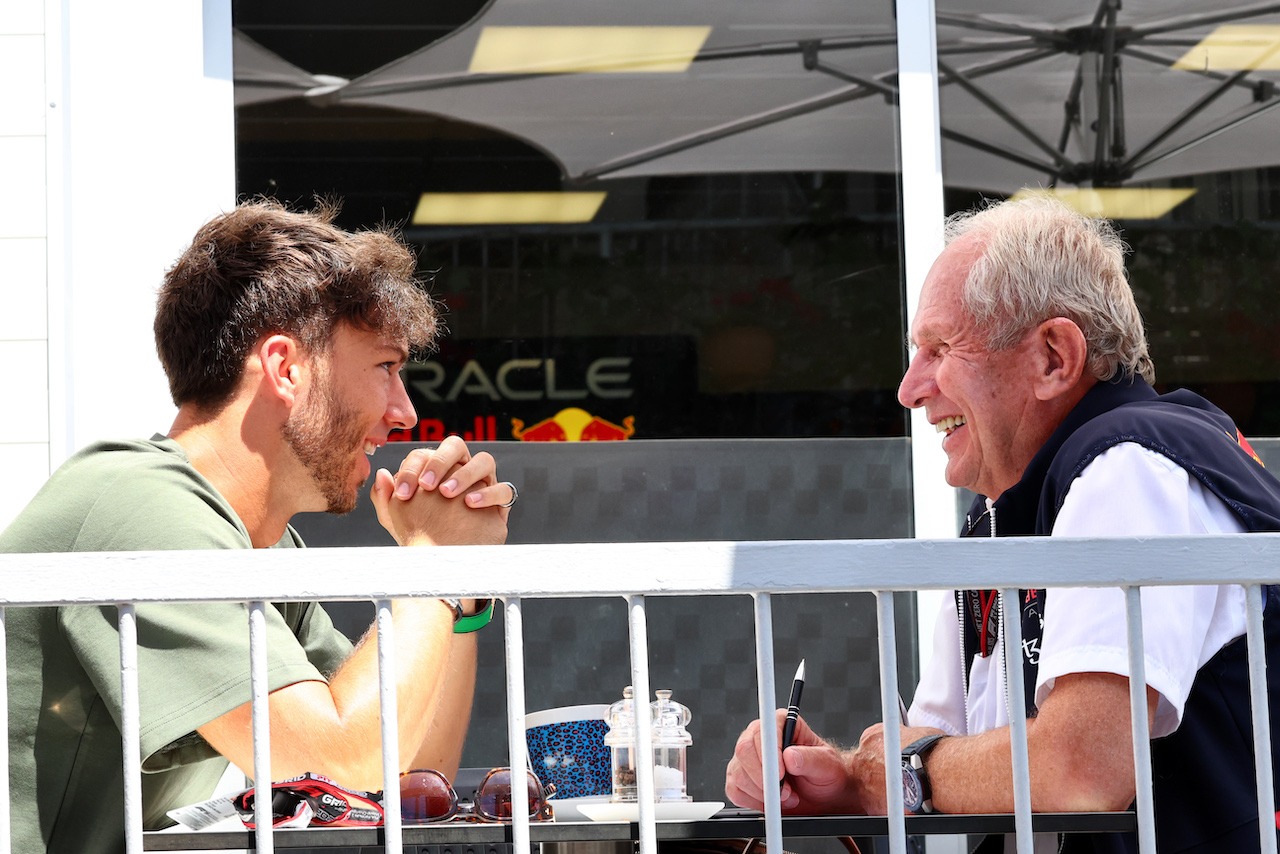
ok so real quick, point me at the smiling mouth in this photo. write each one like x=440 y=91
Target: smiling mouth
x=949 y=424
x=370 y=446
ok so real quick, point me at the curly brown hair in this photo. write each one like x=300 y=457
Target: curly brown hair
x=261 y=269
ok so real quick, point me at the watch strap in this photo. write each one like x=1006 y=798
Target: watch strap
x=913 y=757
x=474 y=622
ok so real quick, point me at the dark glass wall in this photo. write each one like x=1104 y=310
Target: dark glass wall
x=750 y=291
x=709 y=304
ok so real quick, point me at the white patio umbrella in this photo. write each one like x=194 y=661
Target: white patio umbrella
x=1069 y=91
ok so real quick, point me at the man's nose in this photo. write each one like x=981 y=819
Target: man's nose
x=914 y=388
x=400 y=412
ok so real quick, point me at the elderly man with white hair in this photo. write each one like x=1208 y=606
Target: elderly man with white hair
x=1031 y=359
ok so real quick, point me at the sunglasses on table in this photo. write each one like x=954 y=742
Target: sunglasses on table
x=426 y=795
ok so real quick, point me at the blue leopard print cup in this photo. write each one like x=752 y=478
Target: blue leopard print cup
x=572 y=756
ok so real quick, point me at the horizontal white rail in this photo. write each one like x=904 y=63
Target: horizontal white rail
x=622 y=569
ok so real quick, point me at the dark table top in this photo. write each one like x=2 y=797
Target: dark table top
x=725 y=825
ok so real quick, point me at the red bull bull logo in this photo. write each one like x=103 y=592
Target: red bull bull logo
x=574 y=425
x=1248 y=449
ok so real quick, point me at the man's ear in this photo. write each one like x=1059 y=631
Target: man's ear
x=283 y=366
x=1061 y=355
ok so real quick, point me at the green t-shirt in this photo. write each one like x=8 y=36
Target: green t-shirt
x=66 y=767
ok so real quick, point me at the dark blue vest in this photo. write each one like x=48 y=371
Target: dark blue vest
x=1203 y=774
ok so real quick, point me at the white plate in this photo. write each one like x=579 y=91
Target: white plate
x=664 y=811
x=570 y=809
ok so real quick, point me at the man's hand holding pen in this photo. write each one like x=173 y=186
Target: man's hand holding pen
x=816 y=777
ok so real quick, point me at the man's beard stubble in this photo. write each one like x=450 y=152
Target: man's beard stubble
x=323 y=433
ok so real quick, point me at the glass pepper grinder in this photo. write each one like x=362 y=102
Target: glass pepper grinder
x=670 y=739
x=620 y=739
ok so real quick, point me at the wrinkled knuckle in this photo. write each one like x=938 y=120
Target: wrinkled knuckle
x=418 y=456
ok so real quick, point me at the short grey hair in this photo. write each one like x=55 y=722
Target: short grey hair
x=1040 y=259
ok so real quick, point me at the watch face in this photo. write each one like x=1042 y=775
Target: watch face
x=912 y=795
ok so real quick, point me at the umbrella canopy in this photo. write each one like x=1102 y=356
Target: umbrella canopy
x=745 y=102
x=1073 y=91
x=262 y=76
x=1103 y=94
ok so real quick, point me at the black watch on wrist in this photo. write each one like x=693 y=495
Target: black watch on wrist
x=917 y=794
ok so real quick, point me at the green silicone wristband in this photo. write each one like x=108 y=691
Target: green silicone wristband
x=474 y=622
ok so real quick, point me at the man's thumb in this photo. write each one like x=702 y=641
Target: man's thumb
x=383 y=483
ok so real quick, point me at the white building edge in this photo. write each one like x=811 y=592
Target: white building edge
x=116 y=143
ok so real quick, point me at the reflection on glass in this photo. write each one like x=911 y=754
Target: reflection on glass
x=1235 y=48
x=739 y=272
x=586 y=50
x=1118 y=202
x=492 y=208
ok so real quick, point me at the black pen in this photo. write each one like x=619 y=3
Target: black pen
x=793 y=711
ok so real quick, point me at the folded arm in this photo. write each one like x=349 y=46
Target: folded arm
x=334 y=728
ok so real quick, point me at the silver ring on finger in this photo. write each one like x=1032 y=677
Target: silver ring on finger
x=514 y=493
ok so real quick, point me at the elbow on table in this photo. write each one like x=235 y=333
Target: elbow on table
x=360 y=776
x=353 y=763
x=1086 y=790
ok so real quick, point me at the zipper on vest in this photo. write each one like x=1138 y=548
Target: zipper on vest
x=991 y=511
x=1004 y=638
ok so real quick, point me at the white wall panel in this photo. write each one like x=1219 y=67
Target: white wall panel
x=24 y=322
x=149 y=156
x=22 y=101
x=25 y=468
x=23 y=271
x=21 y=17
x=24 y=387
x=22 y=186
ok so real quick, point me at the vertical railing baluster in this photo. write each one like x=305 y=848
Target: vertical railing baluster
x=517 y=750
x=388 y=719
x=1138 y=719
x=1016 y=699
x=261 y=711
x=887 y=636
x=1261 y=711
x=638 y=632
x=130 y=729
x=768 y=717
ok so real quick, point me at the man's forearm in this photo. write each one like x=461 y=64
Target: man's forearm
x=1080 y=748
x=334 y=728
x=428 y=658
x=442 y=747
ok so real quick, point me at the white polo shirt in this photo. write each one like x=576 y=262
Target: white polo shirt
x=1126 y=491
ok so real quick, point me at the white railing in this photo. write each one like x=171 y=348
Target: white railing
x=636 y=571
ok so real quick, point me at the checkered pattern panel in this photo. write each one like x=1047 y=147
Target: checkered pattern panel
x=673 y=490
x=702 y=648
